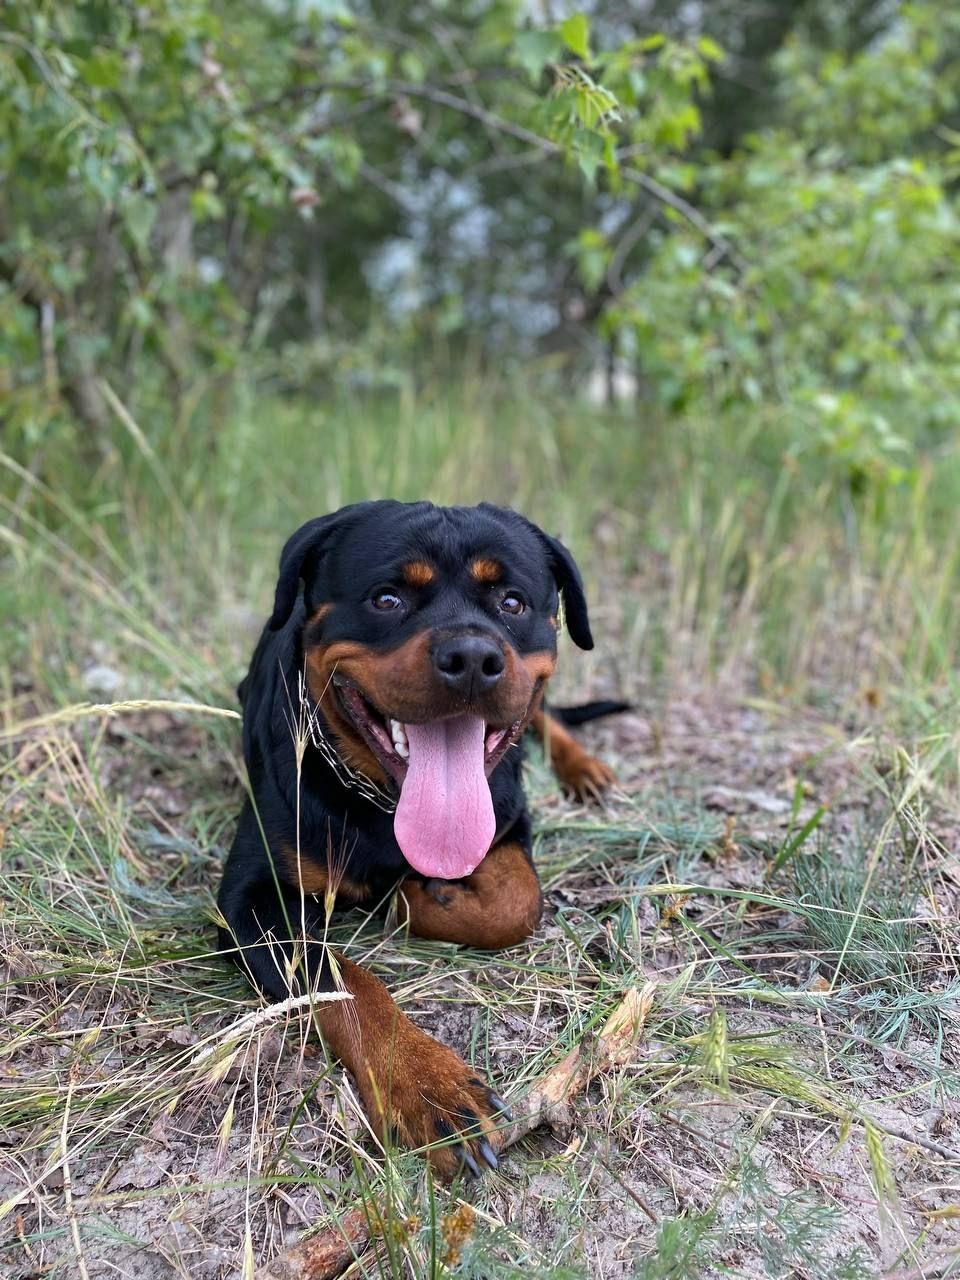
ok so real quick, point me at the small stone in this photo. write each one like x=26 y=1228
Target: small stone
x=102 y=681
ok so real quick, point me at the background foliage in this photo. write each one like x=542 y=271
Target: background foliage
x=728 y=203
x=384 y=247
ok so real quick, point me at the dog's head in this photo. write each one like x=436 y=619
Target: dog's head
x=429 y=635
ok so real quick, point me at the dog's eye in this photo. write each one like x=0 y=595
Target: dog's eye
x=511 y=603
x=387 y=600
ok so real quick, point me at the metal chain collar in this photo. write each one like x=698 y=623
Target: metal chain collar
x=348 y=777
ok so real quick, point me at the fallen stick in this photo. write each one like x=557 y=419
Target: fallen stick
x=328 y=1253
x=548 y=1100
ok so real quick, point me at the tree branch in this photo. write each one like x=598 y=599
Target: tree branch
x=721 y=246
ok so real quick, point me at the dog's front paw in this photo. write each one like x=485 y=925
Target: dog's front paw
x=435 y=1103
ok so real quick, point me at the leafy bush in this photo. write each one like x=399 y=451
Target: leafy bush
x=839 y=302
x=315 y=193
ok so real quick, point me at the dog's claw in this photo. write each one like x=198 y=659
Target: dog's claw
x=499 y=1105
x=458 y=1150
x=439 y=891
x=488 y=1154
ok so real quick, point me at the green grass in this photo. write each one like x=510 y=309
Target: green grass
x=780 y=636
x=739 y=548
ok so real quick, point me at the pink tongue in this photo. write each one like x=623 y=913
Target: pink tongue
x=444 y=822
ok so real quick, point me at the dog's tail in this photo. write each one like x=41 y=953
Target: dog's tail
x=587 y=711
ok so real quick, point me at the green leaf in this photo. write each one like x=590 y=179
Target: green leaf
x=342 y=153
x=710 y=49
x=575 y=33
x=140 y=312
x=595 y=106
x=139 y=214
x=102 y=70
x=411 y=66
x=534 y=49
x=206 y=206
x=102 y=177
x=592 y=252
x=590 y=152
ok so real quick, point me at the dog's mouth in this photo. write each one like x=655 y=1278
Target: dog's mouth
x=389 y=739
x=444 y=821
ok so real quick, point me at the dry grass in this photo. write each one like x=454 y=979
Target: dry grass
x=781 y=861
x=791 y=1111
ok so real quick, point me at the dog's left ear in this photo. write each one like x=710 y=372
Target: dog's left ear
x=565 y=574
x=571 y=585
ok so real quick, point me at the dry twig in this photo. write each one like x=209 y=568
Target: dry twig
x=326 y=1254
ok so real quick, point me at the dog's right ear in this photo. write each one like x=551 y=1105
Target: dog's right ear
x=300 y=556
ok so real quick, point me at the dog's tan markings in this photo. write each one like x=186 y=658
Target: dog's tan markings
x=313 y=875
x=418 y=573
x=497 y=906
x=409 y=1082
x=403 y=683
x=580 y=773
x=351 y=745
x=487 y=572
x=538 y=666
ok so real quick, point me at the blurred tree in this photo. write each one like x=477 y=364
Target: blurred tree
x=188 y=179
x=843 y=311
x=736 y=199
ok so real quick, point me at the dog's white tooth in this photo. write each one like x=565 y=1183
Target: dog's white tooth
x=399 y=736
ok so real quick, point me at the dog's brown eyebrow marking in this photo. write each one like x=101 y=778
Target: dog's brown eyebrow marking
x=418 y=573
x=313 y=627
x=488 y=571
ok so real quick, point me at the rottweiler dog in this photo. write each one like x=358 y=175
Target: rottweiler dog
x=408 y=651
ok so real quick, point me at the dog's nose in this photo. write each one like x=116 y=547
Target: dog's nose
x=470 y=663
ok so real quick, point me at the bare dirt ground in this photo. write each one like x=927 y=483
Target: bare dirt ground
x=791 y=1109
